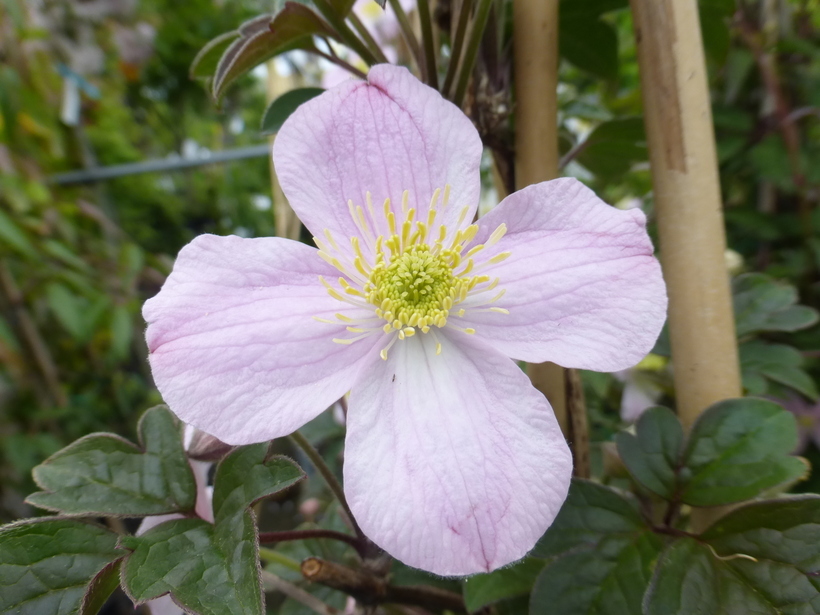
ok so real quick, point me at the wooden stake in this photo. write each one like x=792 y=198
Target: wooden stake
x=286 y=222
x=681 y=141
x=535 y=23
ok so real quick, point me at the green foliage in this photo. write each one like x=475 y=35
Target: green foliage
x=653 y=454
x=764 y=304
x=282 y=107
x=760 y=558
x=484 y=589
x=211 y=569
x=55 y=566
x=107 y=475
x=604 y=551
x=736 y=450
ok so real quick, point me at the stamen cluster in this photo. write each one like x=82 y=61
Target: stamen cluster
x=415 y=279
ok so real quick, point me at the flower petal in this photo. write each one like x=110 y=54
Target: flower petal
x=386 y=135
x=235 y=350
x=453 y=463
x=582 y=286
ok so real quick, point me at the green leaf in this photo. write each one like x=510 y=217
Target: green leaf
x=589 y=43
x=609 y=579
x=103 y=474
x=282 y=108
x=714 y=25
x=776 y=362
x=738 y=449
x=122 y=331
x=590 y=514
x=264 y=37
x=183 y=557
x=48 y=565
x=690 y=579
x=247 y=475
x=763 y=557
x=613 y=147
x=590 y=8
x=100 y=589
x=206 y=61
x=212 y=569
x=67 y=308
x=764 y=304
x=652 y=456
x=484 y=589
x=14 y=237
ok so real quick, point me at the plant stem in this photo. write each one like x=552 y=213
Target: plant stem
x=407 y=33
x=535 y=50
x=266 y=537
x=368 y=588
x=368 y=39
x=274 y=557
x=276 y=583
x=473 y=42
x=339 y=62
x=457 y=46
x=330 y=479
x=347 y=35
x=430 y=66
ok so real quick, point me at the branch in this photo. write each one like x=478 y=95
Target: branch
x=372 y=590
x=265 y=537
x=272 y=582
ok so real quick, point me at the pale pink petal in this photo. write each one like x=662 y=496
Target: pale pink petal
x=582 y=286
x=235 y=350
x=453 y=463
x=164 y=605
x=386 y=135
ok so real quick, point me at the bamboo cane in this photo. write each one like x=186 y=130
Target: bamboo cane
x=286 y=222
x=535 y=23
x=678 y=119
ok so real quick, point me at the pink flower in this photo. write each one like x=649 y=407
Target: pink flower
x=454 y=463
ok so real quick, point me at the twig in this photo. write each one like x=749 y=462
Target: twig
x=368 y=39
x=372 y=590
x=330 y=479
x=473 y=42
x=457 y=46
x=339 y=62
x=407 y=33
x=578 y=426
x=266 y=537
x=430 y=64
x=272 y=582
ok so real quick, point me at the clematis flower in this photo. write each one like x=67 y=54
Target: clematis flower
x=454 y=463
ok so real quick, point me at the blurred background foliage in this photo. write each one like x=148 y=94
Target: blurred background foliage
x=87 y=83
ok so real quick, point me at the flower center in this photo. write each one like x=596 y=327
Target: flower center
x=416 y=289
x=413 y=274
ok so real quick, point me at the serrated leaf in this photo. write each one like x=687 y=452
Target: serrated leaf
x=104 y=474
x=183 y=557
x=777 y=362
x=609 y=579
x=292 y=28
x=737 y=449
x=589 y=43
x=590 y=514
x=283 y=106
x=652 y=456
x=690 y=579
x=206 y=61
x=47 y=565
x=764 y=304
x=100 y=589
x=481 y=590
x=613 y=147
x=212 y=569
